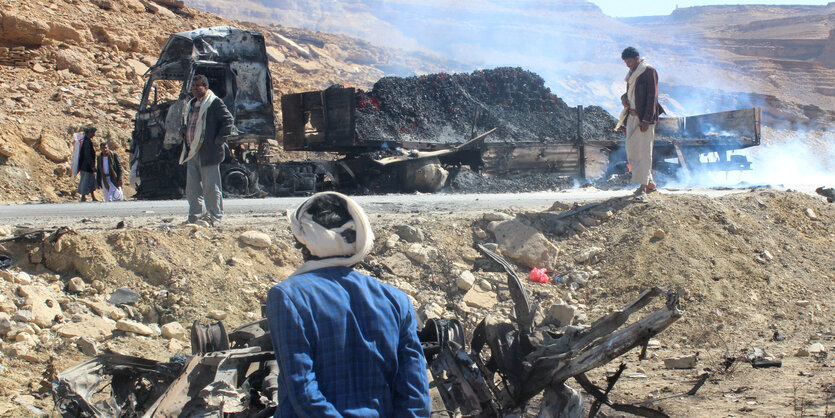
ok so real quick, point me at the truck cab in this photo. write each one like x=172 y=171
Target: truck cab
x=235 y=62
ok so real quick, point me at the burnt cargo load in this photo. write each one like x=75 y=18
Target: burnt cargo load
x=235 y=62
x=531 y=129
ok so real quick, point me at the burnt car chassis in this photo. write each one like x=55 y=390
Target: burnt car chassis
x=236 y=375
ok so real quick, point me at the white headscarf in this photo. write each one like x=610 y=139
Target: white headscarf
x=329 y=244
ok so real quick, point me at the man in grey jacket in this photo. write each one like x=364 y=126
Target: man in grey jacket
x=207 y=124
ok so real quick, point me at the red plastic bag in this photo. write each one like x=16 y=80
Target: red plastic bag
x=539 y=275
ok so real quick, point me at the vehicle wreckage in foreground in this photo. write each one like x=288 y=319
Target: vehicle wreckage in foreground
x=504 y=366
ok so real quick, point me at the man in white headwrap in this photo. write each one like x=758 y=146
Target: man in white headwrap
x=640 y=112
x=346 y=344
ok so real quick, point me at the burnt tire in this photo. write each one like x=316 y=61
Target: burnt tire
x=235 y=181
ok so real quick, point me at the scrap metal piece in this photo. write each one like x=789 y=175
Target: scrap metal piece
x=522 y=305
x=208 y=338
x=122 y=386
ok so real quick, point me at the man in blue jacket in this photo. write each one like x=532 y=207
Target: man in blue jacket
x=346 y=344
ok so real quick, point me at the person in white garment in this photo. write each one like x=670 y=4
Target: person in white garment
x=640 y=112
x=109 y=174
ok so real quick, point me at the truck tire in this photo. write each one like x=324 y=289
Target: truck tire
x=235 y=181
x=424 y=175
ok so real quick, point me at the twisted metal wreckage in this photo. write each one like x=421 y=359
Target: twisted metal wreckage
x=236 y=375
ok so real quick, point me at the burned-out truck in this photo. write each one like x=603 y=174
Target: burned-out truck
x=235 y=62
x=403 y=135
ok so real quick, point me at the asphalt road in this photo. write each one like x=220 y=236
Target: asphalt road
x=37 y=213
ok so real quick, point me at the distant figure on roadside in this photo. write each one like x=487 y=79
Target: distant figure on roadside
x=346 y=344
x=109 y=174
x=640 y=112
x=87 y=165
x=206 y=125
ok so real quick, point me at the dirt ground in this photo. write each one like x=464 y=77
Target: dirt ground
x=754 y=271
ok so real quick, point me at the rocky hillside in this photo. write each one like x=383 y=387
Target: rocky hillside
x=709 y=58
x=69 y=63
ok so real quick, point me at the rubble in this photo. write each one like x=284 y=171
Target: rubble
x=525 y=244
x=128 y=325
x=256 y=239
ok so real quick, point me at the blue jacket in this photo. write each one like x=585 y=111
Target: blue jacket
x=346 y=345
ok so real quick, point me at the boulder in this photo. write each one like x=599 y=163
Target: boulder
x=139 y=68
x=465 y=280
x=157 y=9
x=87 y=346
x=22 y=30
x=86 y=325
x=75 y=61
x=35 y=255
x=64 y=33
x=428 y=311
x=76 y=285
x=54 y=148
x=559 y=314
x=173 y=330
x=104 y=309
x=275 y=55
x=7 y=150
x=479 y=298
x=525 y=245
x=496 y=216
x=409 y=233
x=816 y=349
x=401 y=266
x=421 y=253
x=218 y=314
x=134 y=5
x=256 y=239
x=684 y=362
x=659 y=234
x=43 y=304
x=5 y=323
x=128 y=325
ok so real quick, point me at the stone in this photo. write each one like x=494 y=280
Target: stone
x=76 y=285
x=175 y=346
x=103 y=4
x=54 y=148
x=7 y=150
x=6 y=230
x=218 y=314
x=43 y=304
x=5 y=323
x=35 y=255
x=256 y=239
x=139 y=68
x=173 y=330
x=128 y=325
x=420 y=253
x=401 y=266
x=75 y=61
x=811 y=214
x=429 y=311
x=64 y=33
x=802 y=352
x=465 y=280
x=496 y=216
x=23 y=315
x=803 y=303
x=275 y=55
x=559 y=314
x=478 y=298
x=20 y=30
x=816 y=348
x=659 y=234
x=98 y=285
x=123 y=296
x=391 y=242
x=409 y=233
x=87 y=346
x=104 y=309
x=526 y=245
x=86 y=325
x=683 y=362
x=587 y=255
x=22 y=278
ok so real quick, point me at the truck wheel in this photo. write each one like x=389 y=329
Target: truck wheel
x=424 y=175
x=235 y=182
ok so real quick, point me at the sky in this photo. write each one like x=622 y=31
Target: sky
x=620 y=8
